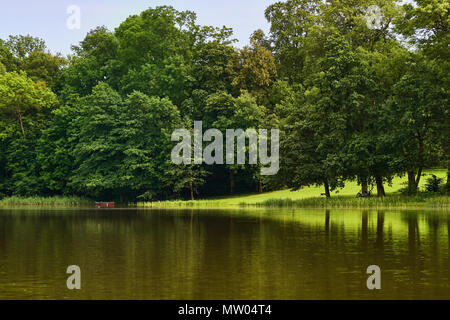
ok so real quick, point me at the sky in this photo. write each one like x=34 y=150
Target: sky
x=47 y=19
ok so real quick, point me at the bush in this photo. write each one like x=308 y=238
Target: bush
x=404 y=190
x=433 y=184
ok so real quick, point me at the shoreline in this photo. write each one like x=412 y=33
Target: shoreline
x=55 y=201
x=304 y=198
x=391 y=201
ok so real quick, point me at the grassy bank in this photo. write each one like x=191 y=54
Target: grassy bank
x=391 y=201
x=310 y=198
x=44 y=201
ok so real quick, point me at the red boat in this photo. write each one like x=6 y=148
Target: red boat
x=100 y=205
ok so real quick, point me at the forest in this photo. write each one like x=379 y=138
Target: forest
x=352 y=103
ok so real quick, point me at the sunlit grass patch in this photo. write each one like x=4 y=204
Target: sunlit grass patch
x=311 y=197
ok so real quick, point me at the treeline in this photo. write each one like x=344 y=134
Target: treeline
x=351 y=102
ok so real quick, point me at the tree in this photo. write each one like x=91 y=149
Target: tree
x=25 y=53
x=97 y=153
x=21 y=98
x=253 y=69
x=55 y=150
x=147 y=124
x=352 y=102
x=22 y=46
x=42 y=66
x=223 y=112
x=156 y=50
x=186 y=177
x=317 y=120
x=122 y=144
x=290 y=22
x=212 y=52
x=416 y=98
x=7 y=58
x=426 y=25
x=96 y=61
x=304 y=146
x=24 y=107
x=328 y=49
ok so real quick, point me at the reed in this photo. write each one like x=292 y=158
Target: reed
x=391 y=201
x=67 y=201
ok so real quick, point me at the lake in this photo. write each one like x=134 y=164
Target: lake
x=224 y=254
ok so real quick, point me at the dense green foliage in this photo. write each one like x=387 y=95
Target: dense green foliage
x=352 y=103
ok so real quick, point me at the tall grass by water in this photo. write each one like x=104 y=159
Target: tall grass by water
x=187 y=204
x=66 y=201
x=390 y=201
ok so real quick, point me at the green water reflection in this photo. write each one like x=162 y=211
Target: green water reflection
x=220 y=254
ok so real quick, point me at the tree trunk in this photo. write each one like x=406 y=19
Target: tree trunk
x=380 y=226
x=412 y=183
x=364 y=226
x=260 y=190
x=419 y=175
x=21 y=124
x=380 y=188
x=327 y=189
x=364 y=186
x=231 y=182
x=447 y=188
x=191 y=189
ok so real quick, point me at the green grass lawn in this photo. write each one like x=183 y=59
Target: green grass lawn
x=311 y=197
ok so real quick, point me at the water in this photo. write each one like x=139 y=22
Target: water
x=224 y=254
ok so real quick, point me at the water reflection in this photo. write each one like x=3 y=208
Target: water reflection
x=380 y=226
x=219 y=254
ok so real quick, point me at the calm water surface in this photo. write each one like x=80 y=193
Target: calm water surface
x=220 y=254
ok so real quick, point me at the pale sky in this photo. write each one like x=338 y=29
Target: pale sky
x=47 y=19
